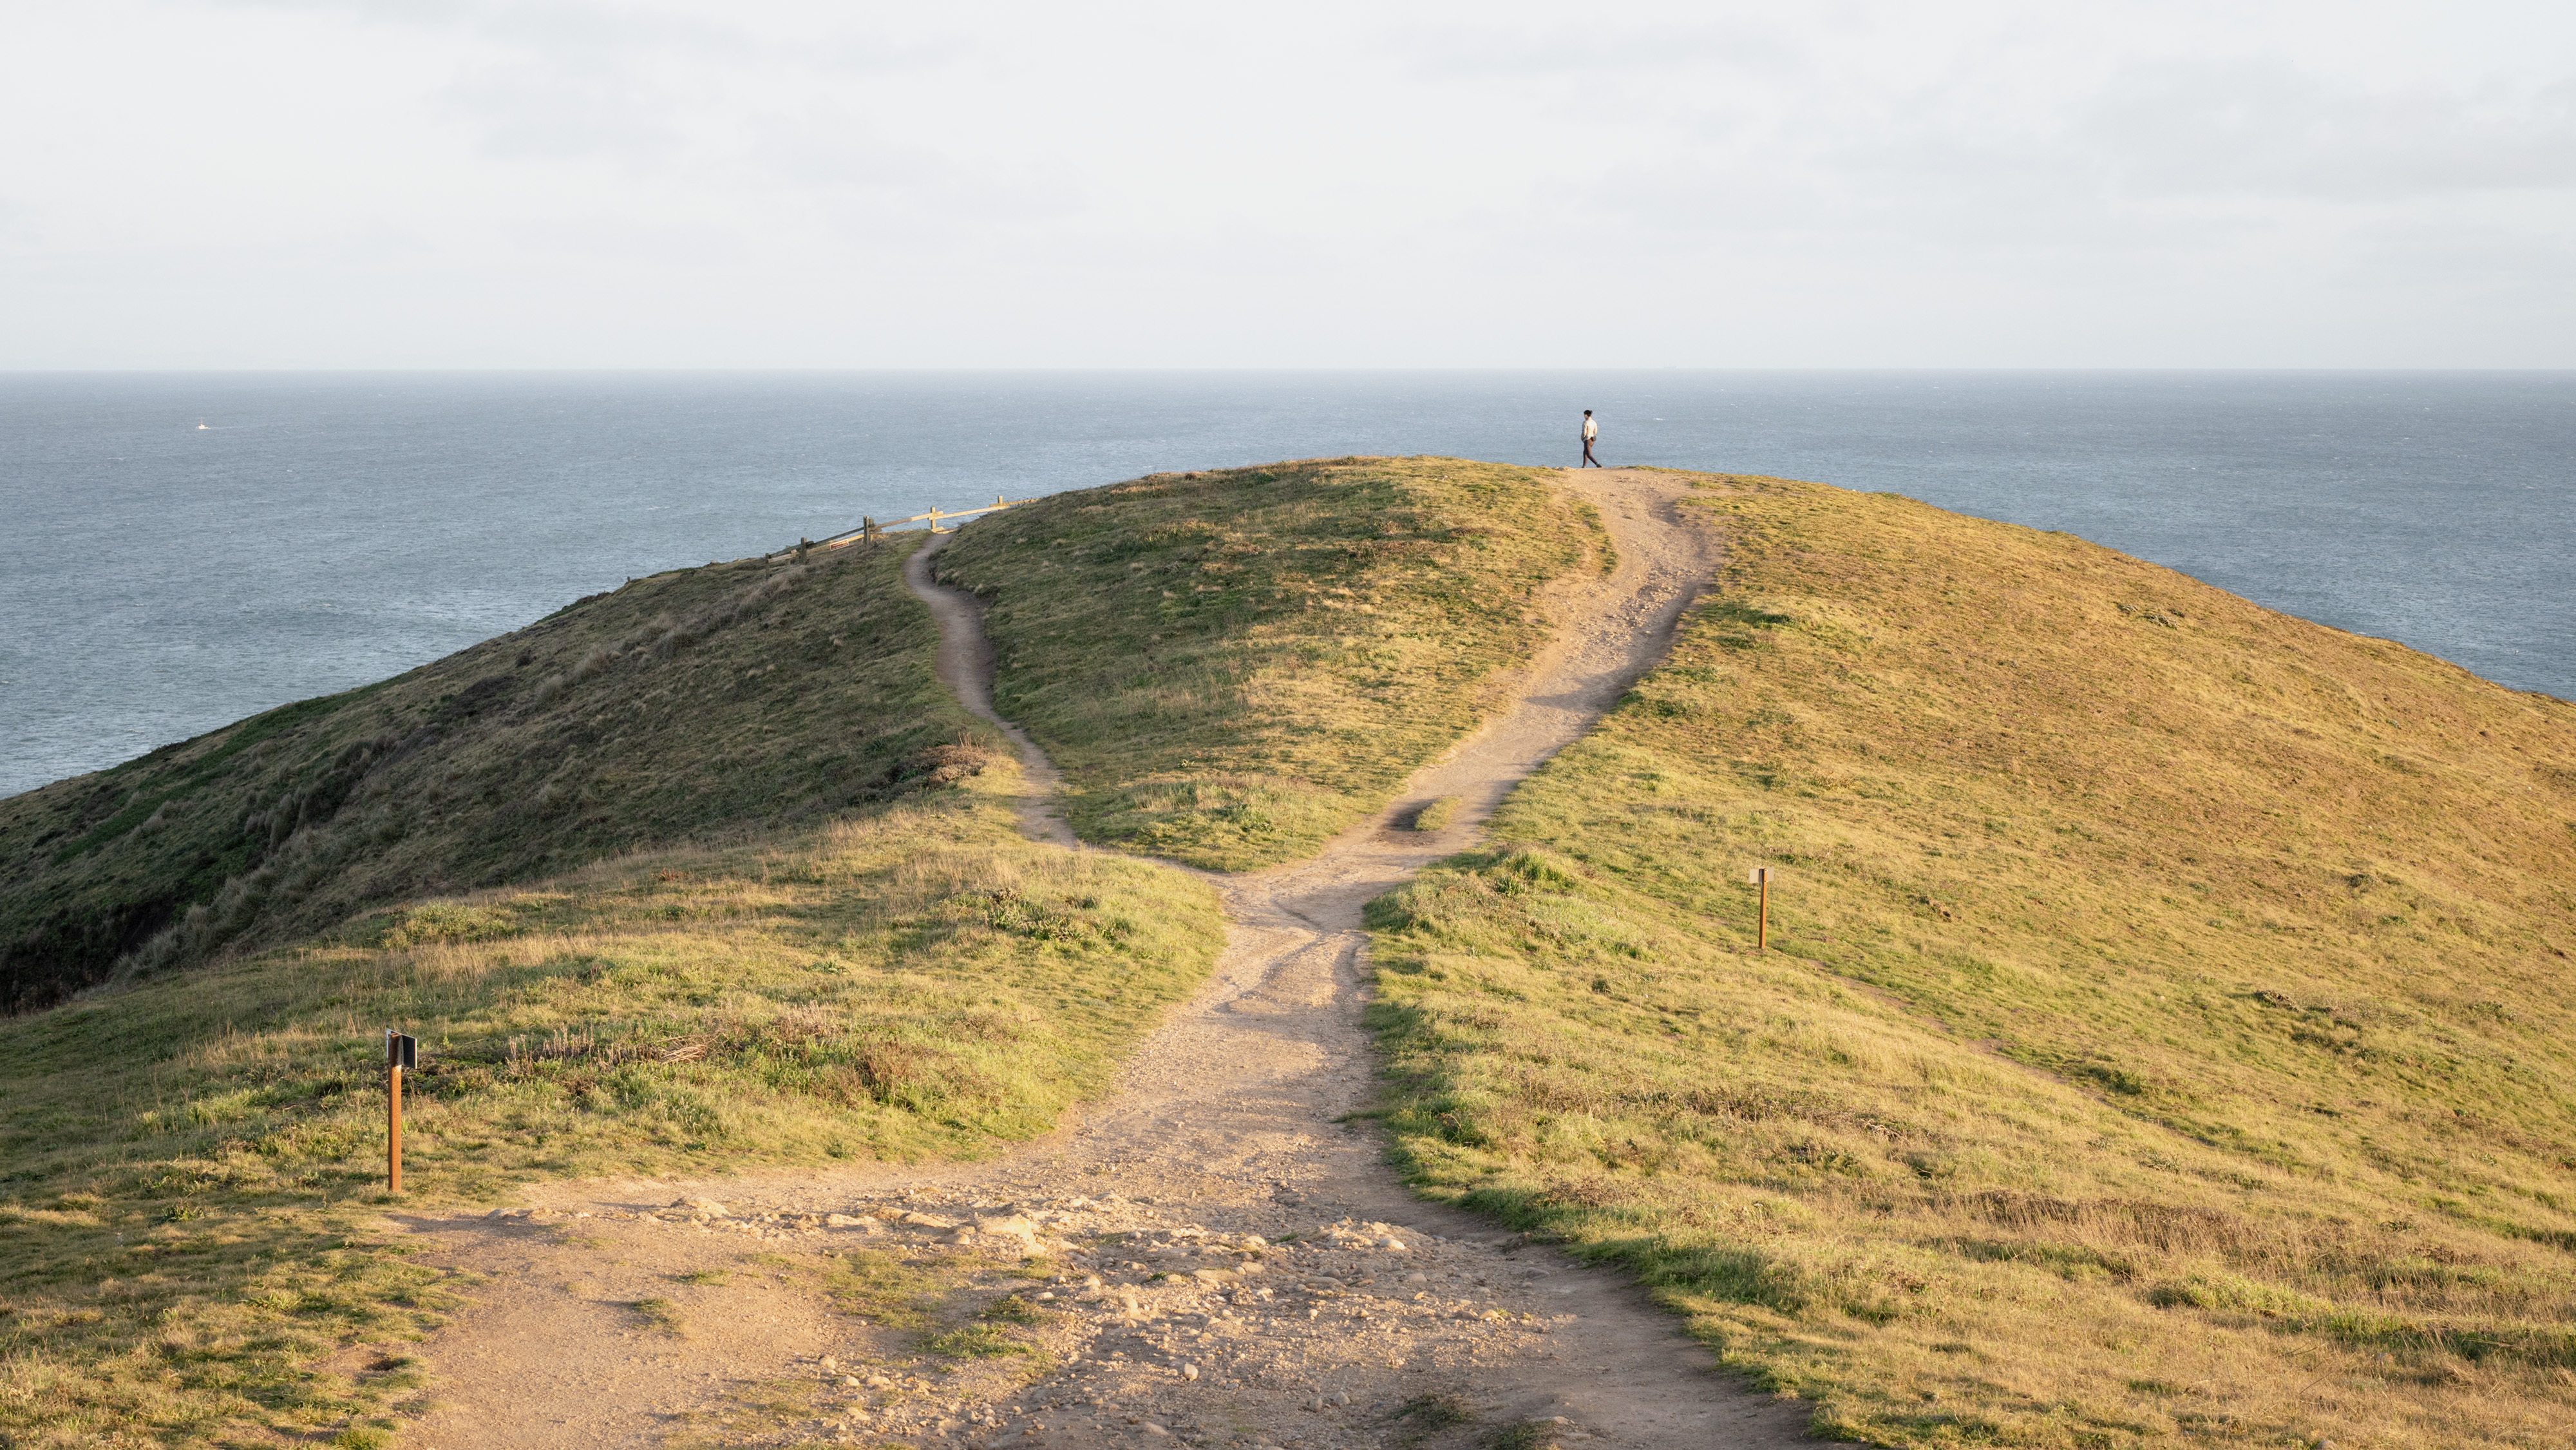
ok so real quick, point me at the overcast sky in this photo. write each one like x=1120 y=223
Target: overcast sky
x=446 y=183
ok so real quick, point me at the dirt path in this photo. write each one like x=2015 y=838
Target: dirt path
x=966 y=666
x=1224 y=1262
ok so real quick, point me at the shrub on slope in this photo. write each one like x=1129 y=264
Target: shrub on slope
x=732 y=695
x=2167 y=1032
x=1230 y=667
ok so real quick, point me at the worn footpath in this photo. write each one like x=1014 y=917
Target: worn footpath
x=1217 y=1254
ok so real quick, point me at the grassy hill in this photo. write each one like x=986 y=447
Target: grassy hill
x=702 y=873
x=1229 y=667
x=2165 y=1040
x=2166 y=1037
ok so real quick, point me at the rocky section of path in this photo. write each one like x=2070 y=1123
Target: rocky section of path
x=1217 y=1255
x=1103 y=1321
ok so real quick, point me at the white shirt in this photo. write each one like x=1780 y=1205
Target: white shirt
x=1591 y=429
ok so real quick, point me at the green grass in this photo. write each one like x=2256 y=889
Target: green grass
x=1230 y=667
x=887 y=1288
x=2166 y=1037
x=743 y=696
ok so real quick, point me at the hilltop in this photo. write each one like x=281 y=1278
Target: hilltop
x=1230 y=667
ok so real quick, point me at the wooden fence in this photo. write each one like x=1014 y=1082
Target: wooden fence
x=869 y=528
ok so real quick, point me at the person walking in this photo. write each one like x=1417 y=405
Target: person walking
x=1591 y=430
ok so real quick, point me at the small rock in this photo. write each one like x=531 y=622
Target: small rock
x=1417 y=1277
x=1395 y=1244
x=843 y=1220
x=1189 y=1371
x=851 y=1382
x=1150 y=1428
x=707 y=1206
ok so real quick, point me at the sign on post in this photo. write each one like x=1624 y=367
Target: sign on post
x=400 y=1051
x=1761 y=876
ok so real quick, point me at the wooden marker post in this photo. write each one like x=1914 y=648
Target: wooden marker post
x=399 y=1052
x=1761 y=877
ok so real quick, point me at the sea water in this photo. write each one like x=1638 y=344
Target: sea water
x=178 y=551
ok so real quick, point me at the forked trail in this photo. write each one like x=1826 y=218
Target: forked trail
x=1383 y=1322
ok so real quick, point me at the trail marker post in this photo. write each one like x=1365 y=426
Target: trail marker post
x=1761 y=876
x=399 y=1053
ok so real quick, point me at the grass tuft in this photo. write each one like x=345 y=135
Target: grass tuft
x=976 y=1341
x=662 y=1314
x=1435 y=1412
x=734 y=698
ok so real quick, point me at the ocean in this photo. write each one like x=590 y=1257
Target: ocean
x=180 y=550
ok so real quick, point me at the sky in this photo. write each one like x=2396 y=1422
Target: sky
x=558 y=184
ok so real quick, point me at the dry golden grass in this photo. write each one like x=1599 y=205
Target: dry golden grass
x=2167 y=1037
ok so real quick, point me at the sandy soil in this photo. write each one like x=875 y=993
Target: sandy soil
x=1209 y=1257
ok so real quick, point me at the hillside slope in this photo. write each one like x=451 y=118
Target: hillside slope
x=842 y=950
x=611 y=724
x=2167 y=1031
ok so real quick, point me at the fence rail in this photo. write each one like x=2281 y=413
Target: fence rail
x=869 y=528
